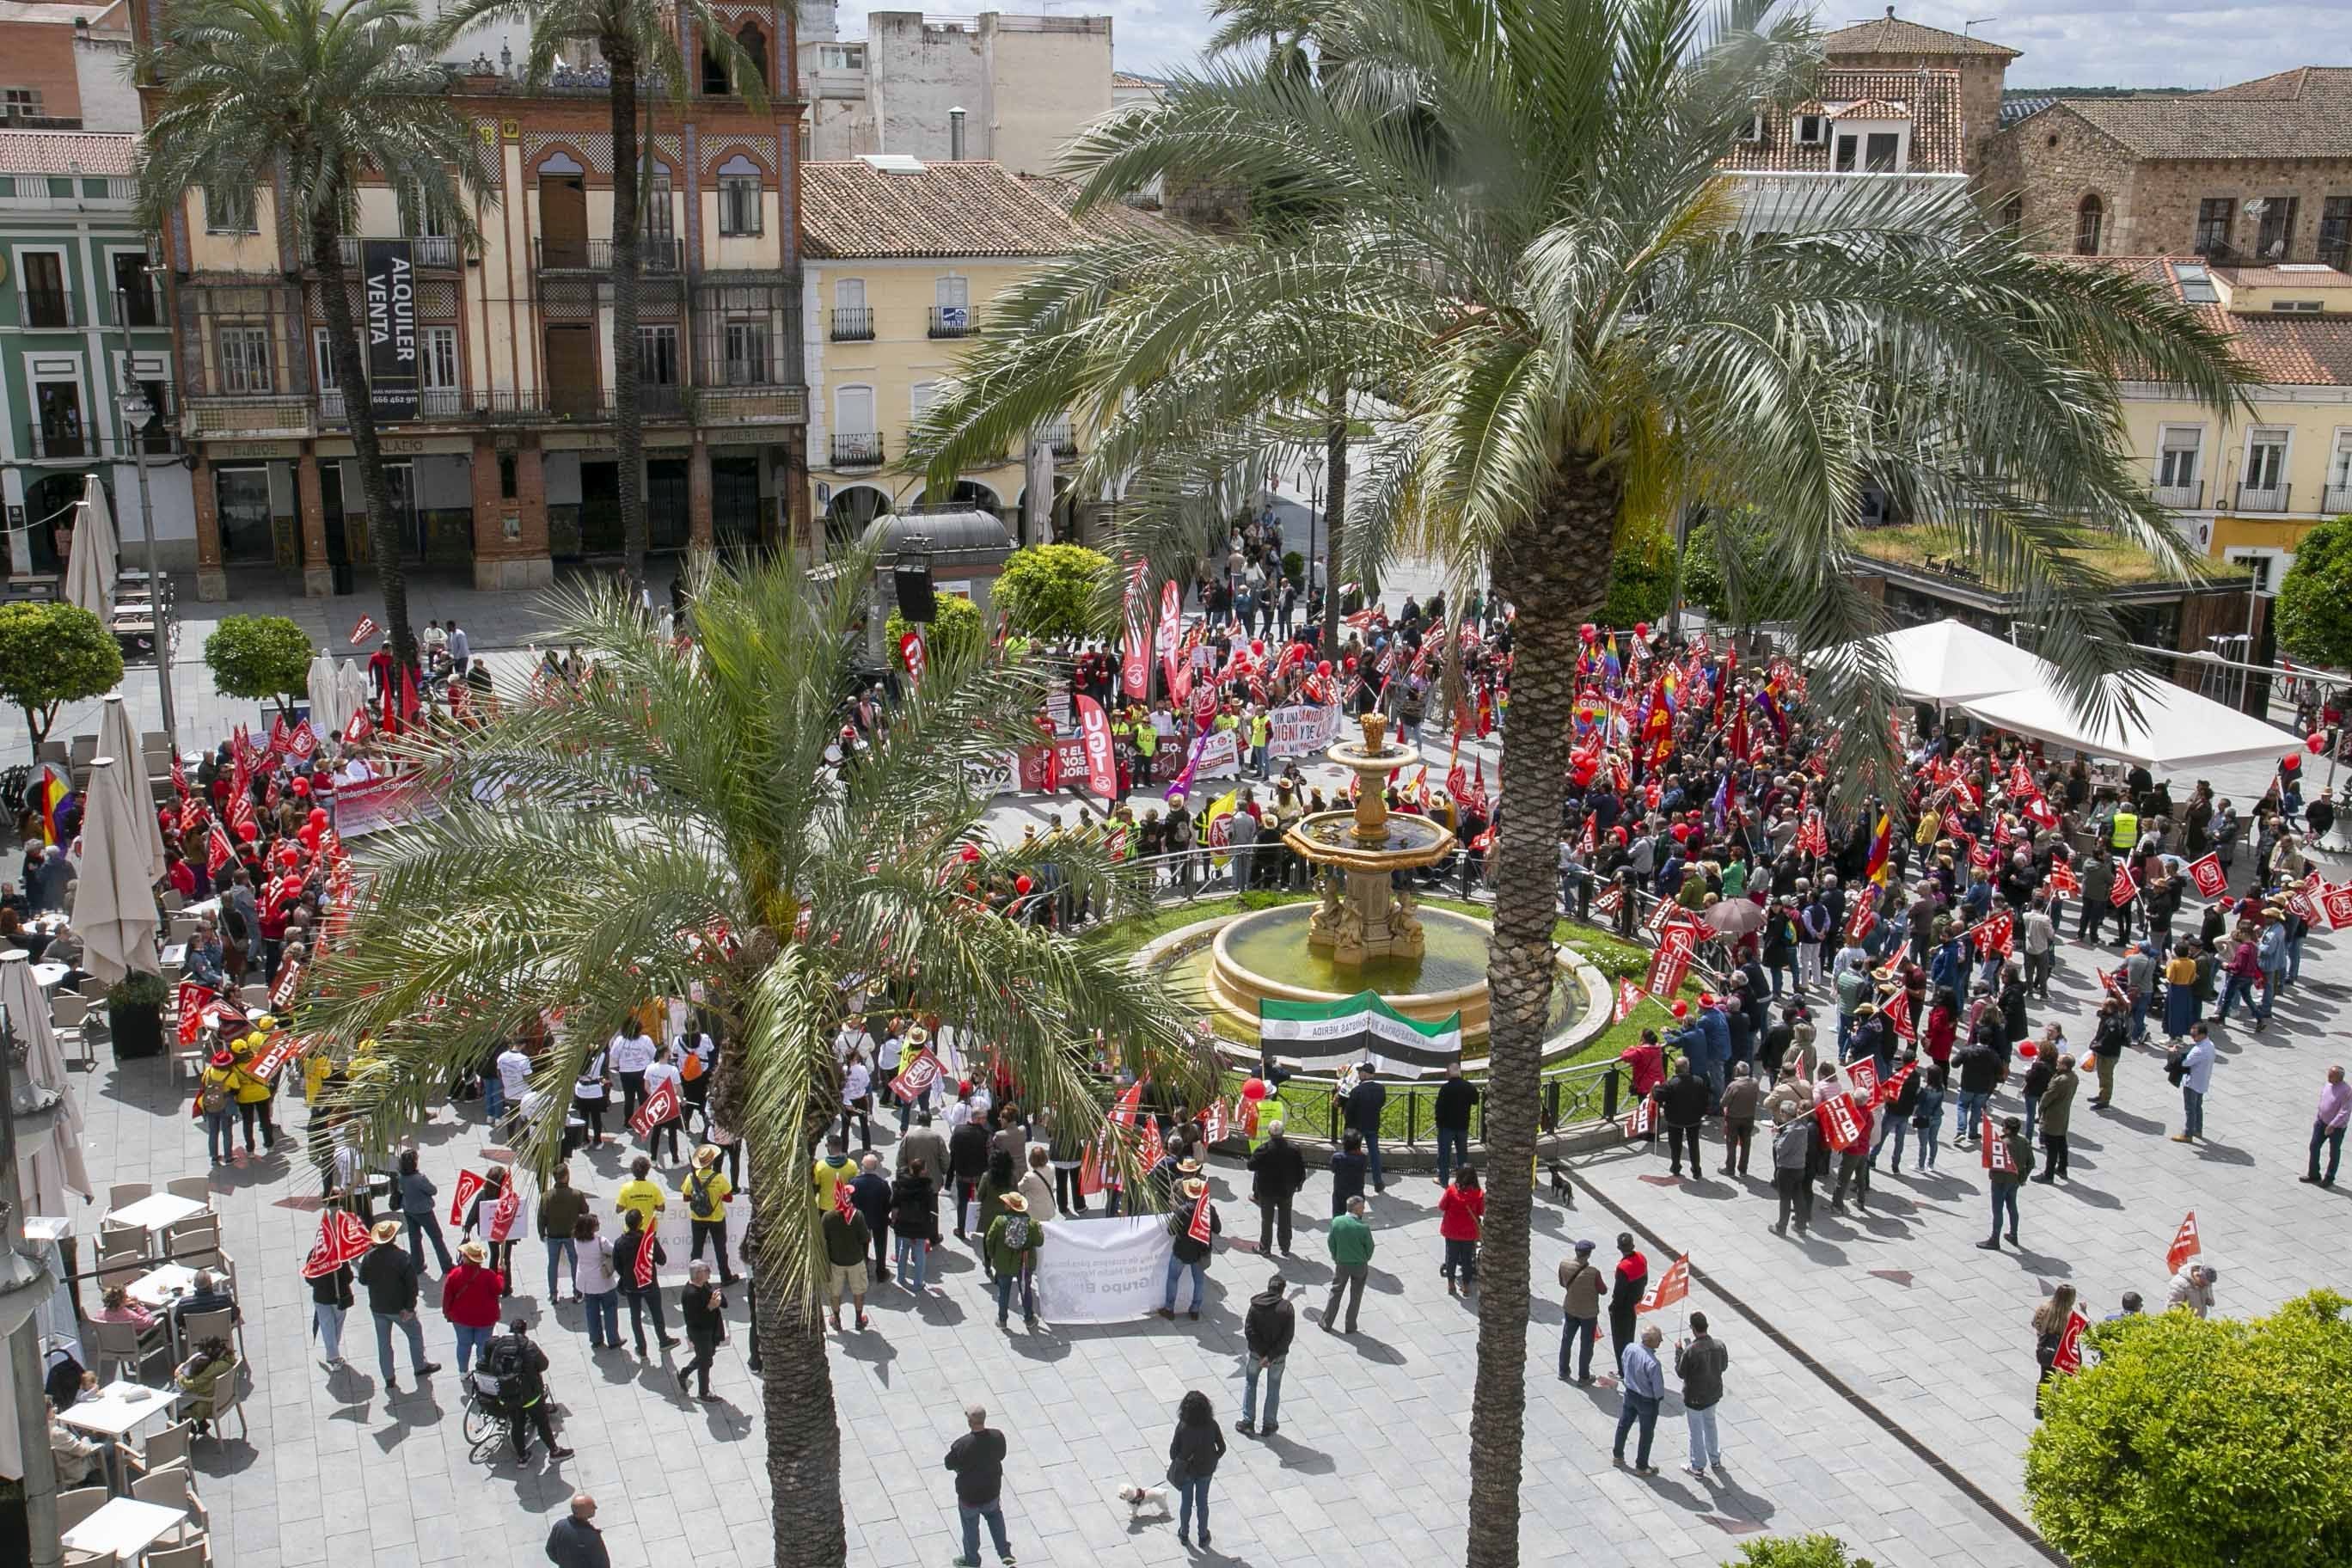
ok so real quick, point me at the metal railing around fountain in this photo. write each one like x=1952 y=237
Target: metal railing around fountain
x=1315 y=1108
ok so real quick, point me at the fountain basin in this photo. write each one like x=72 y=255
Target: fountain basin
x=1266 y=955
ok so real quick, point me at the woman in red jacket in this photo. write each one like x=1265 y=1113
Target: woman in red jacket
x=469 y=1297
x=1459 y=1210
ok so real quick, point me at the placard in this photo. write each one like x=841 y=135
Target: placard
x=1103 y=1270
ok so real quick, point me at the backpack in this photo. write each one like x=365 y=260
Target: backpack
x=234 y=924
x=1016 y=1232
x=212 y=1098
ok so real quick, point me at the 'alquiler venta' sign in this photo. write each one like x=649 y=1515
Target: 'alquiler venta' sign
x=388 y=268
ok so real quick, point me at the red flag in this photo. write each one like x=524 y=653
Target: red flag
x=1669 y=1288
x=1608 y=900
x=1090 y=1171
x=1168 y=641
x=1863 y=1071
x=2207 y=873
x=217 y=852
x=1124 y=1113
x=916 y=1077
x=2185 y=1244
x=2069 y=1359
x=1135 y=641
x=1994 y=933
x=282 y=994
x=2038 y=812
x=1149 y=1150
x=341 y=1239
x=660 y=1106
x=284 y=1047
x=505 y=1211
x=912 y=653
x=303 y=741
x=2337 y=903
x=1998 y=1155
x=1893 y=1086
x=1840 y=1123
x=1588 y=846
x=1628 y=995
x=1093 y=734
x=2063 y=881
x=240 y=809
x=408 y=703
x=1212 y=1122
x=179 y=777
x=1670 y=962
x=191 y=815
x=1644 y=1120
x=1199 y=1229
x=278 y=735
x=2122 y=889
x=469 y=1187
x=642 y=1273
x=357 y=729
x=192 y=1000
x=1899 y=1016
x=2112 y=979
x=364 y=630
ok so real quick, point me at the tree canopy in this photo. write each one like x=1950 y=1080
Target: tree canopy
x=2314 y=602
x=265 y=658
x=52 y=653
x=1056 y=592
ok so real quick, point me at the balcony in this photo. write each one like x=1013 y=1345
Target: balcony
x=2260 y=497
x=855 y=324
x=857 y=451
x=52 y=308
x=2180 y=498
x=952 y=321
x=2338 y=500
x=50 y=445
x=432 y=403
x=1058 y=435
x=113 y=194
x=434 y=251
x=655 y=400
x=659 y=254
x=752 y=405
x=246 y=415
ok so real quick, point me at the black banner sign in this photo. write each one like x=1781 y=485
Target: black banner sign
x=388 y=268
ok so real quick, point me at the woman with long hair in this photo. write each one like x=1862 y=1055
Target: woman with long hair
x=2049 y=1321
x=1192 y=1455
x=1459 y=1212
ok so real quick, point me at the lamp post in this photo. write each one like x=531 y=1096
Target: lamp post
x=137 y=415
x=1312 y=470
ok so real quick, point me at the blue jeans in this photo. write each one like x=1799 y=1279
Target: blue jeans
x=2031 y=1105
x=564 y=1247
x=1972 y=1114
x=420 y=1226
x=1704 y=1448
x=2294 y=960
x=2234 y=987
x=604 y=1320
x=1636 y=1408
x=494 y=1096
x=1929 y=1136
x=1453 y=1149
x=1250 y=1372
x=1192 y=1498
x=2139 y=1014
x=1027 y=1279
x=992 y=1511
x=1372 y=1157
x=1897 y=1128
x=1176 y=1269
x=409 y=1326
x=914 y=1260
x=1572 y=1330
x=2332 y=1140
x=2004 y=1201
x=328 y=1317
x=469 y=1339
x=2192 y=1112
x=220 y=1133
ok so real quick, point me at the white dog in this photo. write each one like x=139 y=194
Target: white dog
x=1138 y=1499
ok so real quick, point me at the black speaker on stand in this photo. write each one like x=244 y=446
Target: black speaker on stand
x=911 y=576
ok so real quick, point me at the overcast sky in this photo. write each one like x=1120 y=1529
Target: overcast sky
x=2074 y=42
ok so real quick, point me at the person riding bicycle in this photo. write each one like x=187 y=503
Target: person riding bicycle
x=511 y=1377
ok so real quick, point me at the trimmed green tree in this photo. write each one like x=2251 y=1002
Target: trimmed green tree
x=2314 y=603
x=1054 y=591
x=2197 y=1443
x=956 y=631
x=53 y=654
x=264 y=658
x=1796 y=1551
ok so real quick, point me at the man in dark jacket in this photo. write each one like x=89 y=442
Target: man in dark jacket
x=870 y=1194
x=1190 y=1252
x=1700 y=1363
x=575 y=1542
x=967 y=1163
x=521 y=1367
x=1266 y=1329
x=1625 y=1288
x=1455 y=1098
x=388 y=1275
x=978 y=1460
x=1365 y=1103
x=1682 y=1105
x=1278 y=1169
x=1979 y=1073
x=705 y=1312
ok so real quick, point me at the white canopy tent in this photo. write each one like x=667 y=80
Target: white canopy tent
x=97 y=517
x=2176 y=731
x=1948 y=662
x=47 y=1169
x=90 y=582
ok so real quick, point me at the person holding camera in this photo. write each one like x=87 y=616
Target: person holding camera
x=519 y=1368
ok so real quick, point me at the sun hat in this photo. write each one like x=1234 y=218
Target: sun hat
x=386 y=1232
x=224 y=1059
x=473 y=1250
x=1192 y=1187
x=1015 y=1202
x=705 y=1156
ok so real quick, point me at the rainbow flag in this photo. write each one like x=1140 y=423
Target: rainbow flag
x=54 y=795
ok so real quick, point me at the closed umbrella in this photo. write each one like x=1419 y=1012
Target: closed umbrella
x=353 y=682
x=52 y=1166
x=116 y=740
x=114 y=900
x=100 y=517
x=89 y=582
x=326 y=714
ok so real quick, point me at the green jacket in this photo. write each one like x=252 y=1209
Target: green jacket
x=1004 y=1257
x=1351 y=1242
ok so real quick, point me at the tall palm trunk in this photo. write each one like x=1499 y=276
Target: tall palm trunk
x=1555 y=562
x=804 y=1435
x=1335 y=515
x=351 y=372
x=628 y=429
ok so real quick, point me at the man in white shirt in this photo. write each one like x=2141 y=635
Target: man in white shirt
x=853 y=1036
x=514 y=1076
x=663 y=1070
x=630 y=1053
x=461 y=653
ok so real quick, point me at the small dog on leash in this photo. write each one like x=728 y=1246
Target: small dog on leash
x=1140 y=1498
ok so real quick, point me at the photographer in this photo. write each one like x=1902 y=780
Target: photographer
x=520 y=1369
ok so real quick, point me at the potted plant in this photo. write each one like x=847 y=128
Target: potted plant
x=134 y=1014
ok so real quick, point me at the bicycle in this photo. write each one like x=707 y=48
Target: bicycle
x=488 y=1424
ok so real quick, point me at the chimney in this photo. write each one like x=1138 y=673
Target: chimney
x=955 y=136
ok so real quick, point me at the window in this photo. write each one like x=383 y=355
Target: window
x=658 y=355
x=2258 y=564
x=61 y=416
x=437 y=362
x=1848 y=150
x=506 y=476
x=920 y=397
x=420 y=217
x=661 y=220
x=853 y=411
x=2298 y=307
x=2177 y=462
x=755 y=45
x=2277 y=234
x=228 y=212
x=747 y=354
x=2089 y=218
x=2195 y=284
x=1755 y=132
x=2339 y=472
x=2336 y=232
x=20 y=102
x=1812 y=129
x=1882 y=154
x=46 y=302
x=841 y=57
x=2213 y=217
x=135 y=289
x=322 y=355
x=2266 y=458
x=739 y=196
x=2012 y=215
x=243 y=358
x=159 y=398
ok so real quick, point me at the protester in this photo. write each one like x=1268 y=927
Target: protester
x=978 y=1460
x=1351 y=1241
x=1012 y=1242
x=598 y=1281
x=2050 y=1319
x=1632 y=1276
x=574 y=1541
x=521 y=1370
x=2328 y=1126
x=2196 y=1083
x=1278 y=1169
x=469 y=1300
x=561 y=1208
x=915 y=1222
x=1699 y=1364
x=1190 y=1254
x=419 y=1202
x=1450 y=1114
x=1581 y=1285
x=1193 y=1451
x=389 y=1276
x=2012 y=1164
x=1266 y=1330
x=1642 y=1390
x=703 y=1311
x=645 y=1298
x=846 y=1242
x=2192 y=1288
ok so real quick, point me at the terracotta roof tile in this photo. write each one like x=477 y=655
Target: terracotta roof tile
x=2302 y=113
x=89 y=153
x=1890 y=34
x=854 y=209
x=1108 y=220
x=2285 y=350
x=1930 y=99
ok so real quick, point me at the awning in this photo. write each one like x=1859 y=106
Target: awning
x=2175 y=729
x=1946 y=661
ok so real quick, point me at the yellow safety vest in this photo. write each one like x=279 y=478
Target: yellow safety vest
x=2127 y=831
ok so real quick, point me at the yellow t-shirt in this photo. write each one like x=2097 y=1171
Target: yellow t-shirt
x=715 y=1188
x=829 y=1177
x=643 y=1196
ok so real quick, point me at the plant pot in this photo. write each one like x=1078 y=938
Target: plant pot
x=138 y=1029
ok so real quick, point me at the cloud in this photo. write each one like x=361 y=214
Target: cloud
x=2075 y=43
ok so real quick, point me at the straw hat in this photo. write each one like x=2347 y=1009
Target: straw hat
x=705 y=1156
x=1187 y=1167
x=1192 y=1187
x=385 y=1233
x=473 y=1251
x=918 y=1035
x=1015 y=1202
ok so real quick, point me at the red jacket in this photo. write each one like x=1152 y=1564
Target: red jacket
x=1459 y=1212
x=469 y=1296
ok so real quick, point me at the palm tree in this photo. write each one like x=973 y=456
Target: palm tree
x=674 y=827
x=1529 y=251
x=328 y=95
x=638 y=42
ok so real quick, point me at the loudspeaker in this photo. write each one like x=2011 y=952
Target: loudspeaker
x=915 y=601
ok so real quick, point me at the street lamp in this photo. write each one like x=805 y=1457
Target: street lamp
x=1312 y=470
x=137 y=414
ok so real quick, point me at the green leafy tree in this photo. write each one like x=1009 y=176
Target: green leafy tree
x=1056 y=592
x=52 y=653
x=2314 y=602
x=2201 y=1443
x=1641 y=578
x=638 y=41
x=1522 y=238
x=1797 y=1552
x=264 y=658
x=674 y=826
x=956 y=631
x=1732 y=569
x=324 y=95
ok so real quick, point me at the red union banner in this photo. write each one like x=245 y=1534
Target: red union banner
x=1093 y=734
x=1863 y=1073
x=2063 y=881
x=1864 y=917
x=341 y=1239
x=1998 y=933
x=1840 y=1123
x=1169 y=638
x=912 y=653
x=1644 y=1120
x=920 y=1074
x=1629 y=997
x=2207 y=873
x=2069 y=1359
x=2185 y=1244
x=469 y=1187
x=1669 y=1288
x=2337 y=903
x=1135 y=646
x=660 y=1106
x=1892 y=1087
x=1669 y=963
x=2124 y=888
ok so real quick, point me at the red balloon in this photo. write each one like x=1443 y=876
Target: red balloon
x=1254 y=1089
x=2290 y=764
x=288 y=855
x=970 y=853
x=247 y=832
x=1022 y=884
x=1642 y=630
x=302 y=786
x=1588 y=631
x=2315 y=744
x=318 y=817
x=309 y=836
x=1257 y=647
x=1352 y=663
x=1323 y=667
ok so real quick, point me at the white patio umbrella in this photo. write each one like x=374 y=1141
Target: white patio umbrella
x=1946 y=662
x=95 y=512
x=114 y=899
x=90 y=582
x=116 y=739
x=2175 y=731
x=51 y=1167
x=327 y=716
x=354 y=682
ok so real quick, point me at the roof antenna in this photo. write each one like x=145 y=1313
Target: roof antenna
x=1971 y=22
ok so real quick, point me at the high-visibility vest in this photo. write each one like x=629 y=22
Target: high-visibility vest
x=2127 y=830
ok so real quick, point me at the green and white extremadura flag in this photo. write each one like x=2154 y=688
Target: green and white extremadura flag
x=1357 y=1028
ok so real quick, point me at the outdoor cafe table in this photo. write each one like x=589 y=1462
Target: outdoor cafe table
x=159 y=1289
x=113 y=1414
x=157 y=1211
x=123 y=1529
